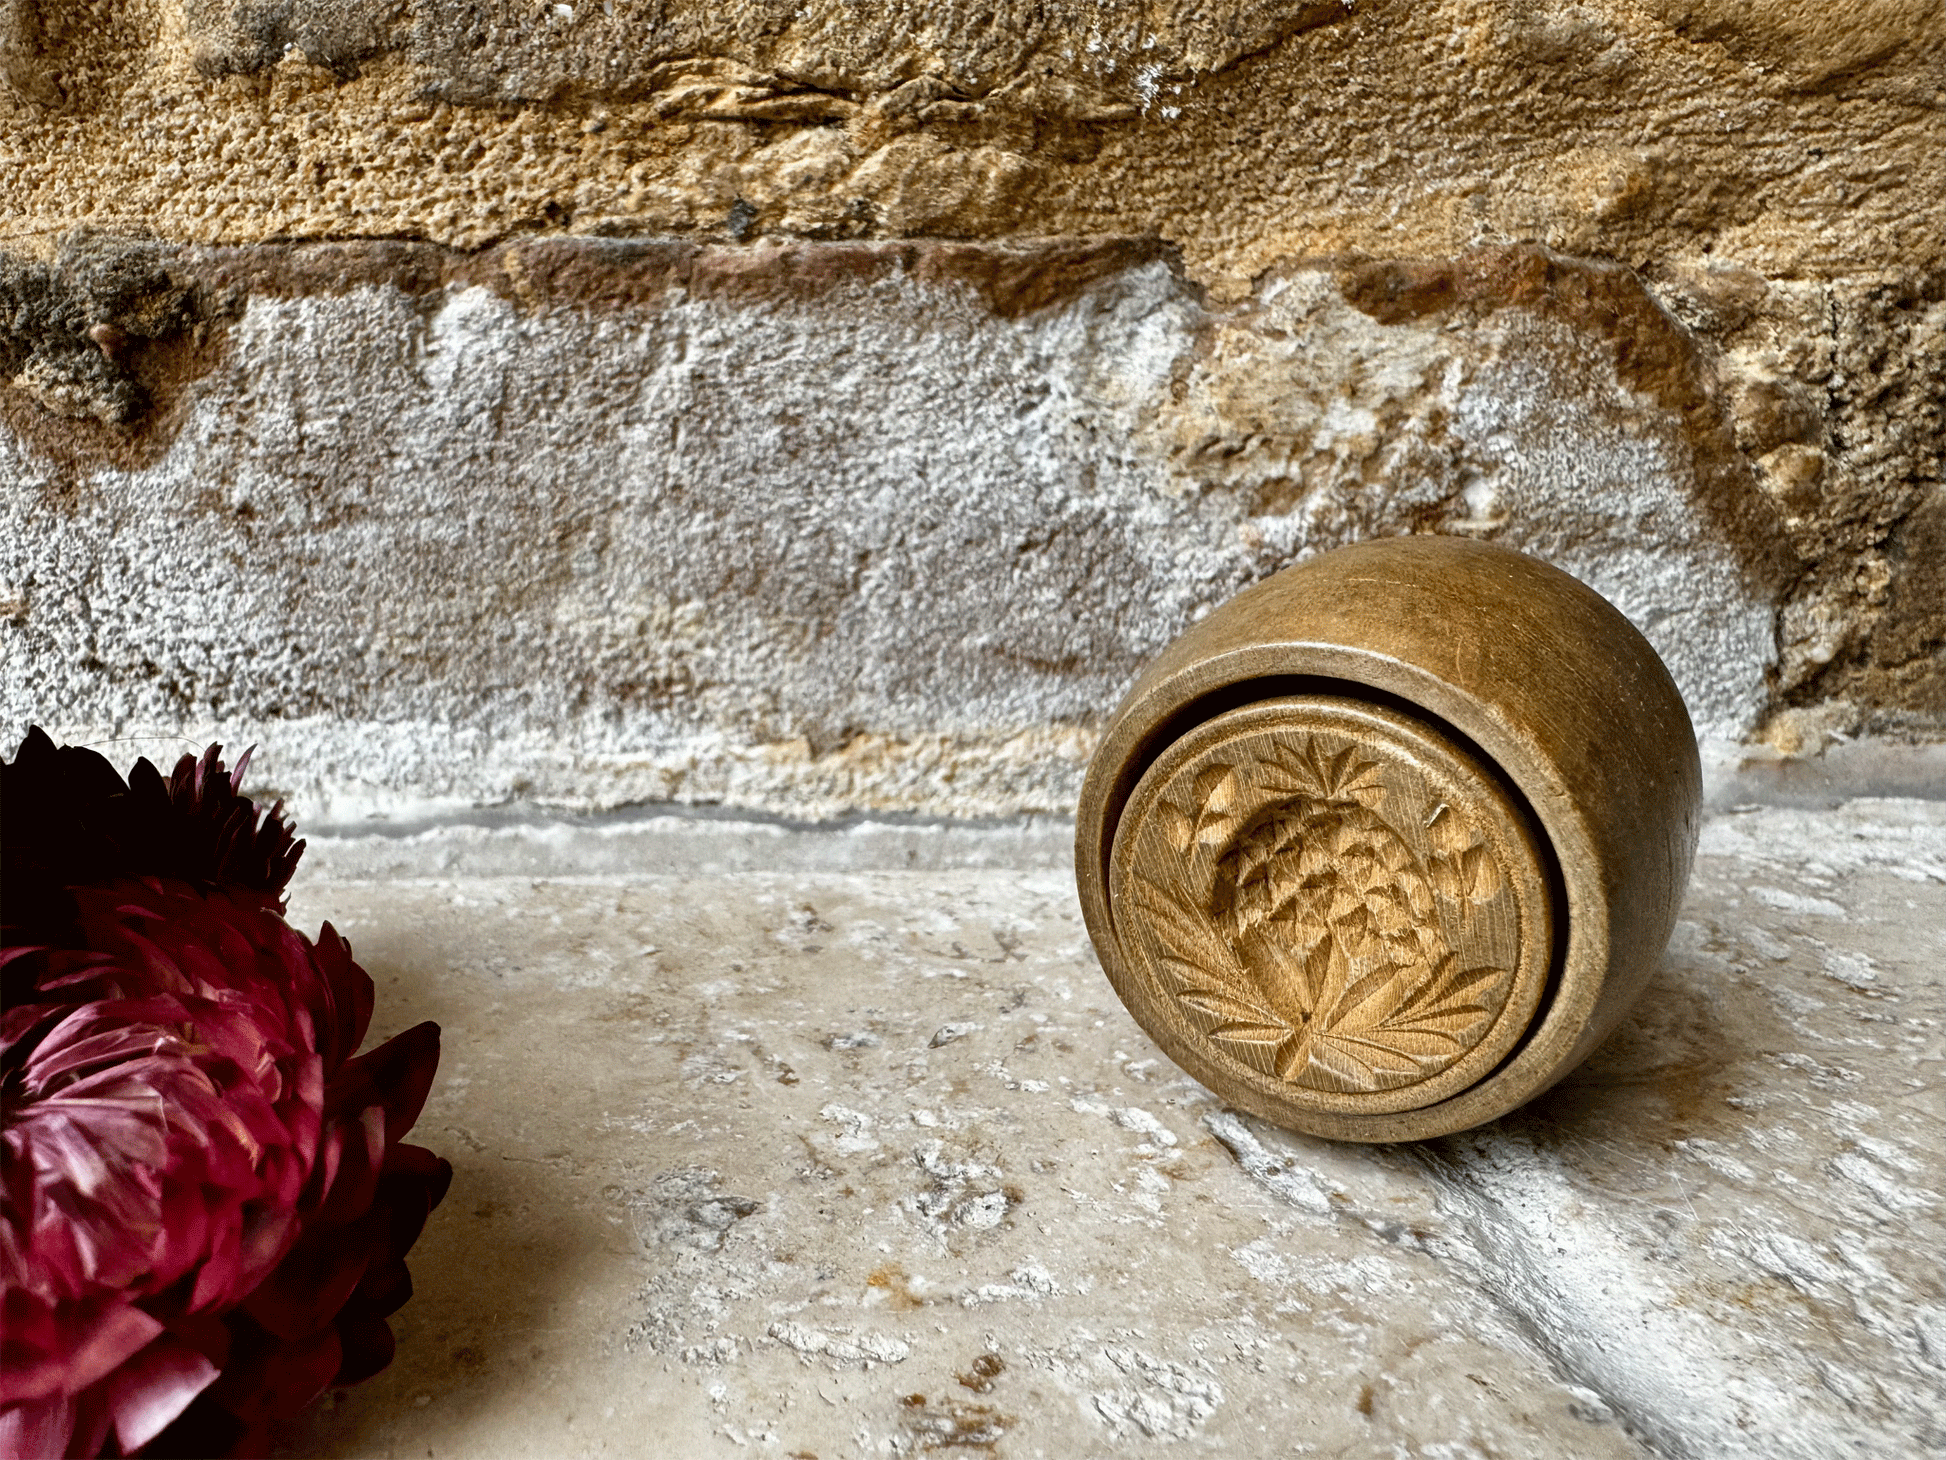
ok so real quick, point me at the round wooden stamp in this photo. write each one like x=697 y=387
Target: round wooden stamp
x=1384 y=846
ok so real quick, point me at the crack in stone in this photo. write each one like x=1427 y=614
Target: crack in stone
x=1646 y=1429
x=1487 y=1245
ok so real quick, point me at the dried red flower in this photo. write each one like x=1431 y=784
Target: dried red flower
x=206 y=1204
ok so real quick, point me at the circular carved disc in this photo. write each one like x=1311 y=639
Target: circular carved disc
x=1328 y=903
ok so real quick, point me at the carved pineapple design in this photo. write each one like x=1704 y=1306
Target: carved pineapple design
x=1332 y=955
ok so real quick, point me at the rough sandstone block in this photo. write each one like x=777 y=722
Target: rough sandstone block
x=831 y=526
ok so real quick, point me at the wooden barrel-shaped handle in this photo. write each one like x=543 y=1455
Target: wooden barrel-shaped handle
x=1386 y=845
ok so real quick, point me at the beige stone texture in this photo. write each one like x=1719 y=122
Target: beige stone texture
x=856 y=1161
x=1780 y=135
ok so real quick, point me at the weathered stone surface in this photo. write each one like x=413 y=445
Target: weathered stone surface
x=1651 y=286
x=826 y=527
x=1778 y=135
x=766 y=61
x=873 y=1163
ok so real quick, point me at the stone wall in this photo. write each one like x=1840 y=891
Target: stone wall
x=826 y=407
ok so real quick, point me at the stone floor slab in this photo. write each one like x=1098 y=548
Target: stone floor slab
x=830 y=1163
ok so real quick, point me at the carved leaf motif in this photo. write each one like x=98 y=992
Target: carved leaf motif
x=1471 y=875
x=1463 y=869
x=1243 y=1033
x=1223 y=1006
x=1324 y=776
x=1445 y=875
x=1178 y=825
x=1396 y=1025
x=1212 y=819
x=1480 y=873
x=1448 y=830
x=1196 y=960
x=1320 y=942
x=1216 y=799
x=1425 y=1004
x=1337 y=1066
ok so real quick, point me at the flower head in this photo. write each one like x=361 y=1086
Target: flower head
x=204 y=1202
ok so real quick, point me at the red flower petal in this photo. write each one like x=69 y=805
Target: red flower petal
x=316 y=1277
x=275 y=1383
x=50 y=1351
x=398 y=1075
x=365 y=1342
x=37 y=1427
x=152 y=1388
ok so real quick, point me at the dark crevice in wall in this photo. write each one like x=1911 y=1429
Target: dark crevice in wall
x=100 y=346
